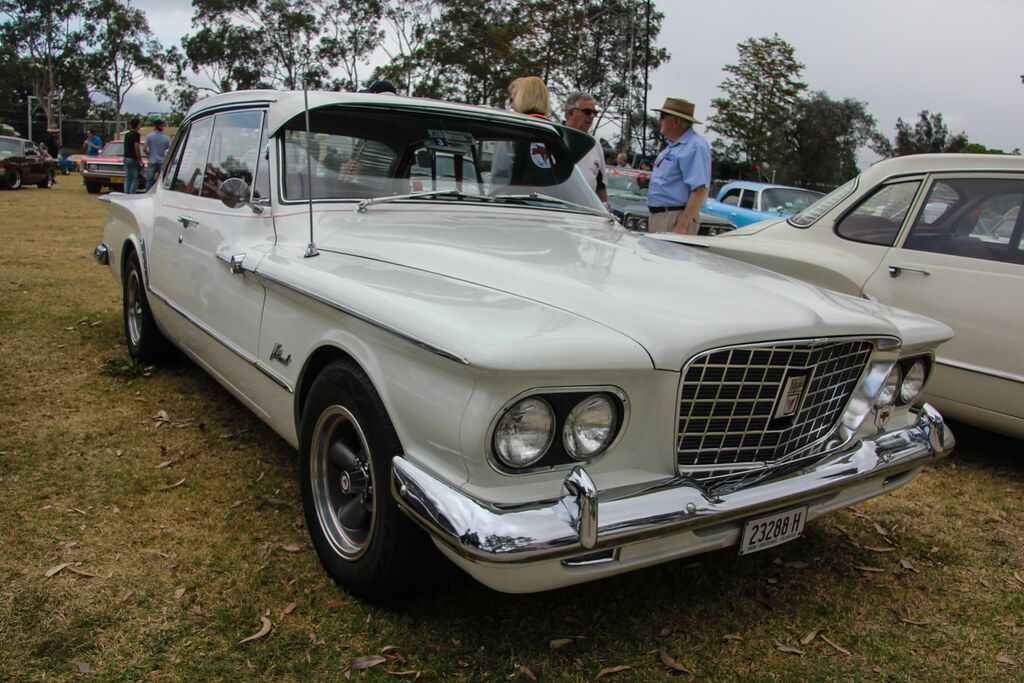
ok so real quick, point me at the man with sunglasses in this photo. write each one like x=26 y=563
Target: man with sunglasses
x=580 y=110
x=682 y=172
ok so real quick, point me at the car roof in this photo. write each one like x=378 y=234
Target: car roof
x=754 y=185
x=13 y=137
x=284 y=105
x=933 y=163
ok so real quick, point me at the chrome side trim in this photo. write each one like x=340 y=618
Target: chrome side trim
x=980 y=370
x=427 y=346
x=540 y=530
x=230 y=346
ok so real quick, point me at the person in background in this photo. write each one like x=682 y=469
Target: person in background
x=93 y=144
x=682 y=172
x=530 y=96
x=132 y=157
x=622 y=161
x=580 y=110
x=156 y=145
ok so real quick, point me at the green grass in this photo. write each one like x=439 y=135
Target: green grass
x=80 y=484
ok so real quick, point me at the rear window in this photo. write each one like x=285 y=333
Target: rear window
x=812 y=213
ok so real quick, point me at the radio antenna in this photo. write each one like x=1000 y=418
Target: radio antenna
x=311 y=249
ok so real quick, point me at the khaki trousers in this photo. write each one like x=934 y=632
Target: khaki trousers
x=666 y=220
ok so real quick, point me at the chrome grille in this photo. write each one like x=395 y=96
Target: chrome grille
x=106 y=168
x=730 y=429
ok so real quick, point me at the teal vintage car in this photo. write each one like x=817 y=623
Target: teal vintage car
x=744 y=202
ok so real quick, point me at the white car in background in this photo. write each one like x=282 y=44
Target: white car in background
x=938 y=234
x=428 y=301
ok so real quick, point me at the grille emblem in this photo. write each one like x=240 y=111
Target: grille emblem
x=789 y=400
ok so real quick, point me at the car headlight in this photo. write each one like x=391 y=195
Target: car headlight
x=590 y=427
x=913 y=382
x=631 y=222
x=890 y=389
x=525 y=432
x=641 y=224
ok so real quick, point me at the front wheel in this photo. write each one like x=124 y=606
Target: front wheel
x=145 y=341
x=13 y=179
x=93 y=188
x=363 y=540
x=46 y=183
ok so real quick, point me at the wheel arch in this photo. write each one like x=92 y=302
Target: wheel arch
x=317 y=361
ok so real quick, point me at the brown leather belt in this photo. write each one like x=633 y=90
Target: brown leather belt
x=659 y=209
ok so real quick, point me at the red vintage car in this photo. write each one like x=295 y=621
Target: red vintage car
x=107 y=169
x=21 y=161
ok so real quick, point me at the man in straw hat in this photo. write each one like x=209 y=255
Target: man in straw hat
x=682 y=172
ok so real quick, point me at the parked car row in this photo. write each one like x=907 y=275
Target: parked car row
x=938 y=234
x=107 y=169
x=744 y=202
x=627 y=199
x=488 y=364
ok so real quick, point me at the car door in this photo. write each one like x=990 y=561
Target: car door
x=197 y=237
x=961 y=262
x=33 y=165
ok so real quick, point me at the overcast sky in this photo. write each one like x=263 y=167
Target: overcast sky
x=961 y=58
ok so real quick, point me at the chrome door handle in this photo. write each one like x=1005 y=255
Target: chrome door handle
x=187 y=221
x=894 y=271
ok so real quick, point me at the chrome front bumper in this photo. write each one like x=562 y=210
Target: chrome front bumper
x=584 y=521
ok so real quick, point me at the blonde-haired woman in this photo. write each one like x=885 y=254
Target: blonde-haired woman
x=529 y=96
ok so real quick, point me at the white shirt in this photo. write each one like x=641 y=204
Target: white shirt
x=592 y=165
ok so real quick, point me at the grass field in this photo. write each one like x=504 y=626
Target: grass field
x=149 y=524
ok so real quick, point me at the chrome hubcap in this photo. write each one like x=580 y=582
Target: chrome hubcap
x=342 y=482
x=133 y=307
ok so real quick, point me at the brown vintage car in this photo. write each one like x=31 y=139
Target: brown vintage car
x=22 y=161
x=107 y=169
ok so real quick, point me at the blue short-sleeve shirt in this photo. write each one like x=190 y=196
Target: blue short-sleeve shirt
x=680 y=169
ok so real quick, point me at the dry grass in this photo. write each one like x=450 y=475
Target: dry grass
x=171 y=566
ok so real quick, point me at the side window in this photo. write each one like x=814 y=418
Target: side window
x=878 y=218
x=748 y=198
x=174 y=157
x=732 y=197
x=971 y=217
x=234 y=149
x=192 y=169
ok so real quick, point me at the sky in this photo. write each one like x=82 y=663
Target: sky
x=960 y=58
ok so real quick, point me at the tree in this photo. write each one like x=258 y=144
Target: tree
x=824 y=135
x=126 y=51
x=46 y=37
x=760 y=93
x=929 y=134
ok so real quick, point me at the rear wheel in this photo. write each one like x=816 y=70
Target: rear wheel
x=93 y=188
x=13 y=179
x=47 y=182
x=146 y=342
x=363 y=540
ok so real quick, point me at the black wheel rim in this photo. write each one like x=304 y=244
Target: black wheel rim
x=342 y=482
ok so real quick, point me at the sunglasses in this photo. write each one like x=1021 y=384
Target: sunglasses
x=587 y=111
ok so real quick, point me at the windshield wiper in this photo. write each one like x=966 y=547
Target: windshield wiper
x=362 y=206
x=549 y=198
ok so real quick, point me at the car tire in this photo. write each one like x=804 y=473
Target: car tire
x=65 y=171
x=146 y=343
x=93 y=188
x=13 y=179
x=46 y=183
x=347 y=442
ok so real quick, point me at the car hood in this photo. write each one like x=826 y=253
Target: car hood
x=672 y=299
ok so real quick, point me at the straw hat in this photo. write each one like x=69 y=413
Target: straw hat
x=678 y=107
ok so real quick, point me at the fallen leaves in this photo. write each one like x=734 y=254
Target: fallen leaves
x=361 y=663
x=671 y=663
x=560 y=642
x=914 y=622
x=609 y=670
x=1004 y=658
x=168 y=487
x=264 y=630
x=733 y=637
x=291 y=548
x=789 y=650
x=837 y=646
x=56 y=569
x=809 y=638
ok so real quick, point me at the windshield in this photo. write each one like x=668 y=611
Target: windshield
x=788 y=200
x=9 y=148
x=627 y=187
x=819 y=208
x=113 y=149
x=362 y=154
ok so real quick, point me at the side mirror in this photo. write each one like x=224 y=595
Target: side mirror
x=234 y=191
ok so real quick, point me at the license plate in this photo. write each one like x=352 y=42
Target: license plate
x=772 y=530
x=117 y=179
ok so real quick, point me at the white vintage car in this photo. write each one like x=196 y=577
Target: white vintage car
x=937 y=234
x=466 y=349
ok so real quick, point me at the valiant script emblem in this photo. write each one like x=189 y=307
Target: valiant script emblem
x=277 y=353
